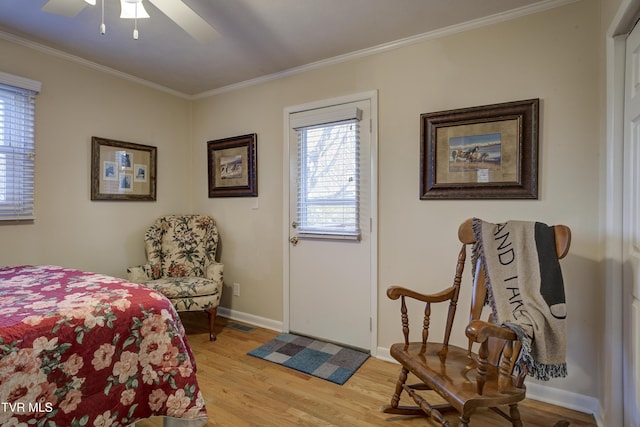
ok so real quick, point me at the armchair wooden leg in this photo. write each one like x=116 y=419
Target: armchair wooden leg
x=212 y=312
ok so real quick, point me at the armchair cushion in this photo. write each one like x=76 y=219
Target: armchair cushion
x=188 y=293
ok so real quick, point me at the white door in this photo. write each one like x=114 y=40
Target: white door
x=330 y=258
x=631 y=233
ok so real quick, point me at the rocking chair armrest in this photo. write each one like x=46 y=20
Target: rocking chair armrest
x=479 y=331
x=395 y=292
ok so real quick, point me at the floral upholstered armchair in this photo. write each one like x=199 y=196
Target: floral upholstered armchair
x=181 y=264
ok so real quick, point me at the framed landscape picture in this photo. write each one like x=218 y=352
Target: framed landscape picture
x=487 y=152
x=233 y=168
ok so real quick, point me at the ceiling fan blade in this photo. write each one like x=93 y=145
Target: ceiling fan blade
x=190 y=21
x=64 y=7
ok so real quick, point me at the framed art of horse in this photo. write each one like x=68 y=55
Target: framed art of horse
x=486 y=152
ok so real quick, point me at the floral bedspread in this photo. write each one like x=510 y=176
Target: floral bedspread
x=85 y=349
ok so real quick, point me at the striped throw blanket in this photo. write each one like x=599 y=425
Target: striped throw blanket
x=525 y=290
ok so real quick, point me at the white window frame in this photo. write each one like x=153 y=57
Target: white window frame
x=326 y=118
x=17 y=147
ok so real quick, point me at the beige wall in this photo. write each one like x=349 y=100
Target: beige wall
x=75 y=104
x=550 y=56
x=609 y=8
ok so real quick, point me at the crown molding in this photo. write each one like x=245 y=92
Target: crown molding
x=93 y=65
x=431 y=35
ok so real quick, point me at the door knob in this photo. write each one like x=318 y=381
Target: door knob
x=294 y=240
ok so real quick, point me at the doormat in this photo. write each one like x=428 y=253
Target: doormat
x=321 y=359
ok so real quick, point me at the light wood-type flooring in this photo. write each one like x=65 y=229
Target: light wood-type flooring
x=241 y=390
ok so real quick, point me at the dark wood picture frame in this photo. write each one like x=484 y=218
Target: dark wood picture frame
x=485 y=152
x=233 y=166
x=122 y=170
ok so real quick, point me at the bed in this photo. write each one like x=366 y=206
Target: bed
x=85 y=349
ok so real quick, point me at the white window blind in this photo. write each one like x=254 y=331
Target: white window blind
x=328 y=176
x=17 y=146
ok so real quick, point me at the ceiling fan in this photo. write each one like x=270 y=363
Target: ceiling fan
x=176 y=10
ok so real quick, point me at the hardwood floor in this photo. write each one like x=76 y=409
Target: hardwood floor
x=241 y=390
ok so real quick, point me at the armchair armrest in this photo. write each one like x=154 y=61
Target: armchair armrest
x=140 y=273
x=395 y=292
x=214 y=271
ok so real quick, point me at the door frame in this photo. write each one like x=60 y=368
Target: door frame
x=372 y=97
x=612 y=394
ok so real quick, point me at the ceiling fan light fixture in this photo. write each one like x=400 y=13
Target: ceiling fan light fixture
x=176 y=10
x=132 y=10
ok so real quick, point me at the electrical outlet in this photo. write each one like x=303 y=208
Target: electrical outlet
x=236 y=289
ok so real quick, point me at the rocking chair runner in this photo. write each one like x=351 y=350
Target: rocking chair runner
x=464 y=379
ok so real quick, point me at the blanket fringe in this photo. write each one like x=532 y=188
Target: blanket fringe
x=537 y=370
x=476 y=225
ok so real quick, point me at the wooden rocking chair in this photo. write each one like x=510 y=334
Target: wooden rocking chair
x=464 y=379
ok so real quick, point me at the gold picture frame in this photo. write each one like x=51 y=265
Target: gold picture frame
x=122 y=170
x=233 y=168
x=486 y=152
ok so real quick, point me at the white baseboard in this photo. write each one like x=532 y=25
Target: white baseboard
x=535 y=391
x=261 y=322
x=566 y=399
x=382 y=353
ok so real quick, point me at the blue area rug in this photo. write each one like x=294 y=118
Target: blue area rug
x=318 y=358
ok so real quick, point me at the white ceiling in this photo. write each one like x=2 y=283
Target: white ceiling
x=257 y=37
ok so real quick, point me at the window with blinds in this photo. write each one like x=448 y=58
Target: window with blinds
x=17 y=147
x=328 y=175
